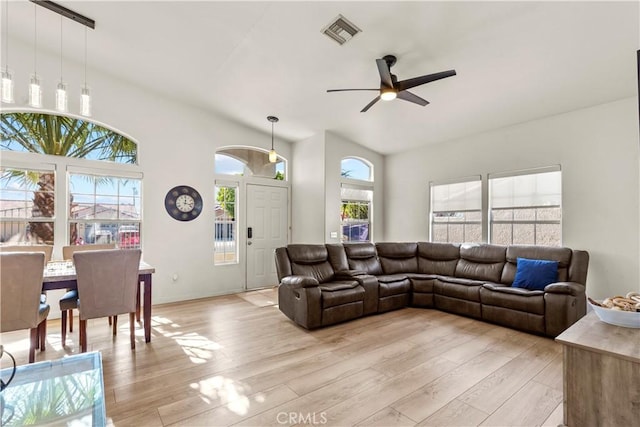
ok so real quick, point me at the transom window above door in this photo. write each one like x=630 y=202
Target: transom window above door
x=247 y=161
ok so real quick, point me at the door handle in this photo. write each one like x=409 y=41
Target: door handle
x=249 y=243
x=249 y=232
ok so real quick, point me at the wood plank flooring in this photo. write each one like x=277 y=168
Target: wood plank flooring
x=237 y=360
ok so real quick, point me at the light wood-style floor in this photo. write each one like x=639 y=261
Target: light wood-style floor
x=237 y=360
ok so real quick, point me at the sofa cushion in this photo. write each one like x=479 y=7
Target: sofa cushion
x=512 y=298
x=438 y=258
x=398 y=257
x=561 y=255
x=464 y=289
x=341 y=292
x=310 y=260
x=393 y=287
x=481 y=262
x=363 y=257
x=535 y=274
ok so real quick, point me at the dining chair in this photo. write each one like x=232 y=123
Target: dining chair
x=21 y=286
x=46 y=249
x=107 y=286
x=69 y=300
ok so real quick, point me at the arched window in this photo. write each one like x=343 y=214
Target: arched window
x=247 y=161
x=104 y=205
x=356 y=193
x=354 y=168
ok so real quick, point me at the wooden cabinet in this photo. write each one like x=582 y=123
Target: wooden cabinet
x=601 y=374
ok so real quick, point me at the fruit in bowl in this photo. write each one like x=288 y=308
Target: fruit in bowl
x=619 y=310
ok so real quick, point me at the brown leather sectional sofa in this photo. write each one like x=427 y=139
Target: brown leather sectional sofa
x=322 y=285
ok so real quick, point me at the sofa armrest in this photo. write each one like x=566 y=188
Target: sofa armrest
x=297 y=282
x=349 y=274
x=569 y=288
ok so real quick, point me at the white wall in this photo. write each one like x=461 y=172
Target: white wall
x=307 y=190
x=597 y=149
x=177 y=145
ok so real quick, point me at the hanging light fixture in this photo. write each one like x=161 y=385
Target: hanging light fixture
x=273 y=156
x=62 y=100
x=7 y=76
x=35 y=84
x=35 y=88
x=85 y=94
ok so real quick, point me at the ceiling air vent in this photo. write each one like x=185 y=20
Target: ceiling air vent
x=341 y=30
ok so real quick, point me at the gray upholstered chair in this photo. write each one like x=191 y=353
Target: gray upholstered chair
x=46 y=249
x=107 y=286
x=21 y=286
x=69 y=301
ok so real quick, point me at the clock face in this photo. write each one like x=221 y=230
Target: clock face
x=183 y=203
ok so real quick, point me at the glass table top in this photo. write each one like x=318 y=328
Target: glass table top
x=67 y=391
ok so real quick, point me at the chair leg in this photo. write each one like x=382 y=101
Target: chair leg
x=42 y=332
x=138 y=303
x=64 y=327
x=132 y=330
x=33 y=341
x=115 y=325
x=71 y=320
x=110 y=321
x=83 y=335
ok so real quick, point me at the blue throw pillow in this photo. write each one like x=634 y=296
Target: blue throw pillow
x=535 y=274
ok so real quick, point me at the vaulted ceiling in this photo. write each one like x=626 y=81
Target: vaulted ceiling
x=515 y=61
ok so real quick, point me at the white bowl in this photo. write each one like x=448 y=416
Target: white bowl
x=628 y=319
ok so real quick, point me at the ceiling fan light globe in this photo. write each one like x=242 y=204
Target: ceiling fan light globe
x=389 y=95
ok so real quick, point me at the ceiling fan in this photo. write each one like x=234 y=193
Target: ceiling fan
x=390 y=87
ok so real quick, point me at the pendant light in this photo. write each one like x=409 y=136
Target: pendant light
x=273 y=156
x=85 y=94
x=35 y=87
x=7 y=76
x=62 y=100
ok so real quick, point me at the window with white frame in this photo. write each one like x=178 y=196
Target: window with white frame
x=104 y=209
x=101 y=206
x=355 y=212
x=526 y=207
x=226 y=236
x=456 y=211
x=27 y=205
x=354 y=168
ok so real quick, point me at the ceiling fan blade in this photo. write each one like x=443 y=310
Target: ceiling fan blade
x=417 y=81
x=408 y=96
x=347 y=90
x=385 y=74
x=369 y=105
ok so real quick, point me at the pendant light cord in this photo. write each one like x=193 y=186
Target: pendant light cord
x=272 y=135
x=85 y=57
x=60 y=48
x=6 y=37
x=35 y=39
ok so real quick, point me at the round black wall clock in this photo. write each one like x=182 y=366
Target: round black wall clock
x=183 y=203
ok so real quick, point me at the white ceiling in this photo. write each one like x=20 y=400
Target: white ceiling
x=516 y=61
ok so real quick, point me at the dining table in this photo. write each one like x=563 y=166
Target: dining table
x=62 y=275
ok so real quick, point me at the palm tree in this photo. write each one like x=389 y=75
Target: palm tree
x=59 y=136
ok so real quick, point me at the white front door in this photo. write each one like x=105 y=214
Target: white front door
x=267 y=226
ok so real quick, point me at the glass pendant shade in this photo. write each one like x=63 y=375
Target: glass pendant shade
x=35 y=92
x=62 y=100
x=7 y=87
x=85 y=102
x=273 y=156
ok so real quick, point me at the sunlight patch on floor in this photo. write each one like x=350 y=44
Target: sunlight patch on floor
x=227 y=392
